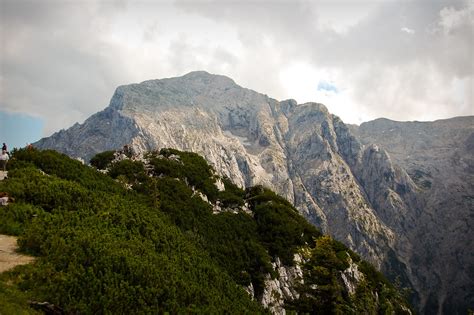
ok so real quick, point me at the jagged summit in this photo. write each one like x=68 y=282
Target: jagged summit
x=370 y=199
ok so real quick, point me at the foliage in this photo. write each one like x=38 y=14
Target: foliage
x=158 y=247
x=232 y=195
x=258 y=194
x=15 y=216
x=102 y=160
x=231 y=240
x=133 y=171
x=54 y=163
x=187 y=166
x=323 y=288
x=280 y=227
x=107 y=250
x=278 y=231
x=13 y=300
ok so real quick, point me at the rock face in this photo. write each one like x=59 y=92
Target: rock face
x=439 y=159
x=352 y=277
x=352 y=191
x=282 y=287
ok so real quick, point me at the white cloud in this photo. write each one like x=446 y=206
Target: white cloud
x=407 y=30
x=452 y=18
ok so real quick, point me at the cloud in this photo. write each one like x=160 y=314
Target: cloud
x=381 y=71
x=407 y=30
x=61 y=60
x=452 y=19
x=51 y=66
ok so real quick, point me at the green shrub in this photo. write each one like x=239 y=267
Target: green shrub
x=134 y=171
x=322 y=291
x=230 y=200
x=258 y=194
x=60 y=165
x=102 y=160
x=12 y=299
x=195 y=170
x=280 y=227
x=15 y=216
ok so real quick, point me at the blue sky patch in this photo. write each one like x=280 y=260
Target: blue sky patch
x=16 y=130
x=326 y=86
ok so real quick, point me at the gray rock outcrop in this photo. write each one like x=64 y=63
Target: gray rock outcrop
x=282 y=287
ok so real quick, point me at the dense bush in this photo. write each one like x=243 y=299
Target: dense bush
x=54 y=163
x=323 y=288
x=190 y=167
x=16 y=216
x=102 y=160
x=281 y=232
x=12 y=299
x=133 y=171
x=280 y=227
x=231 y=240
x=232 y=196
x=230 y=200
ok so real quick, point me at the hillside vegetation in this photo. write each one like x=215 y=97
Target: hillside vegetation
x=165 y=234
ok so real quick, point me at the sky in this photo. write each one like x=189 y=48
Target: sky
x=60 y=61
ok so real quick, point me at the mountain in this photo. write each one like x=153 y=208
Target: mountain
x=346 y=186
x=439 y=157
x=163 y=233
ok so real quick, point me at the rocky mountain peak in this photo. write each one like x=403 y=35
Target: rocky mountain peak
x=193 y=89
x=369 y=186
x=209 y=78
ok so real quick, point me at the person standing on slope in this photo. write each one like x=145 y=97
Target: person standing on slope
x=4 y=148
x=3 y=160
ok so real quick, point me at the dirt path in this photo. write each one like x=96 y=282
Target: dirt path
x=9 y=258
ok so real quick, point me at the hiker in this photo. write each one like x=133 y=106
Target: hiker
x=4 y=148
x=3 y=160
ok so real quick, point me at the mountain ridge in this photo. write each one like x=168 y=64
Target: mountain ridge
x=340 y=183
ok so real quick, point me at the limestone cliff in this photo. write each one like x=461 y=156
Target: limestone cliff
x=439 y=159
